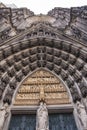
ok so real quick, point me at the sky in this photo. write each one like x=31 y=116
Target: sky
x=43 y=6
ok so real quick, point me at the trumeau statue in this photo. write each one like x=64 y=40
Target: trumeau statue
x=42 y=121
x=3 y=115
x=82 y=115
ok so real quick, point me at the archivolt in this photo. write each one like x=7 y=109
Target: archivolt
x=62 y=58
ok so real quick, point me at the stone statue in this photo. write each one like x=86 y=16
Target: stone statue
x=82 y=115
x=85 y=101
x=42 y=121
x=3 y=115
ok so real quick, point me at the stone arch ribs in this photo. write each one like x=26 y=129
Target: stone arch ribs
x=66 y=60
x=43 y=46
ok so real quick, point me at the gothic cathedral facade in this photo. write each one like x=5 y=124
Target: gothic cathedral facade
x=43 y=69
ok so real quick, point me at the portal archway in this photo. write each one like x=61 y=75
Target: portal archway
x=42 y=86
x=66 y=60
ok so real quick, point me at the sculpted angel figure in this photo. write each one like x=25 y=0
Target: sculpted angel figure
x=42 y=121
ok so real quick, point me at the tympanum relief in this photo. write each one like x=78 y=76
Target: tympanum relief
x=42 y=86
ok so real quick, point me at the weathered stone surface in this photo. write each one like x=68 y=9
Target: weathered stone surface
x=25 y=70
x=8 y=97
x=19 y=76
x=56 y=41
x=75 y=95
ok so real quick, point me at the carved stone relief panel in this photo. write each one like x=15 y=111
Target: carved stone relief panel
x=42 y=86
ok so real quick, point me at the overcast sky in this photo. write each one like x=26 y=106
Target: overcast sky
x=43 y=6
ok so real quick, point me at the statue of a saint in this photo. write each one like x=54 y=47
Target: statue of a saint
x=82 y=114
x=42 y=121
x=3 y=114
x=85 y=101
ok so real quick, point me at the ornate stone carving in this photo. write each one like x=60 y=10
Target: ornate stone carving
x=17 y=57
x=58 y=45
x=32 y=58
x=85 y=101
x=64 y=65
x=43 y=45
x=82 y=114
x=4 y=112
x=25 y=70
x=83 y=88
x=72 y=59
x=79 y=64
x=33 y=51
x=77 y=77
x=19 y=76
x=84 y=13
x=57 y=53
x=64 y=55
x=11 y=72
x=84 y=91
x=15 y=48
x=8 y=96
x=71 y=70
x=25 y=53
x=7 y=51
x=57 y=69
x=70 y=82
x=84 y=71
x=49 y=50
x=42 y=121
x=25 y=61
x=42 y=86
x=57 y=61
x=49 y=58
x=2 y=85
x=75 y=95
x=5 y=78
x=10 y=61
x=64 y=75
x=83 y=55
x=62 y=15
x=13 y=84
x=49 y=65
x=1 y=56
x=75 y=51
x=66 y=47
x=76 y=32
x=24 y=45
x=18 y=66
x=33 y=66
x=3 y=66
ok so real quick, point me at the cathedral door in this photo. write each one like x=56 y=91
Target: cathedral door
x=56 y=122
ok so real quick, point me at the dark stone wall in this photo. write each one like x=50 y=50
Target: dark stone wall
x=57 y=47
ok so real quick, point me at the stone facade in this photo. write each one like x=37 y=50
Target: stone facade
x=56 y=42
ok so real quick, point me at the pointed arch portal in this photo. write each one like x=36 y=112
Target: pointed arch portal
x=43 y=49
x=42 y=85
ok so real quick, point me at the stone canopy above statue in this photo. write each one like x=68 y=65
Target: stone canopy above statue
x=42 y=86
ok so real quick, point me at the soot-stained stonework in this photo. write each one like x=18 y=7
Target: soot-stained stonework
x=55 y=42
